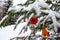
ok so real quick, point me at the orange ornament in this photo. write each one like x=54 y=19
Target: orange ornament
x=45 y=33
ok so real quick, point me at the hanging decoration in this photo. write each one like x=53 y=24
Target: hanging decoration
x=33 y=20
x=45 y=33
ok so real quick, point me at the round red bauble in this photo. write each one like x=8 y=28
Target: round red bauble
x=33 y=20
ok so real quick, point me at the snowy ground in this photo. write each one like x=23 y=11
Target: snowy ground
x=8 y=32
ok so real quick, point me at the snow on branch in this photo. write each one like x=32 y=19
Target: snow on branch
x=3 y=19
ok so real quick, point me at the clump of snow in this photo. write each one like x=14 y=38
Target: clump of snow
x=16 y=2
x=37 y=5
x=15 y=8
x=38 y=33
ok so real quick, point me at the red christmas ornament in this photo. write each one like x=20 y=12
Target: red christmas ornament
x=33 y=20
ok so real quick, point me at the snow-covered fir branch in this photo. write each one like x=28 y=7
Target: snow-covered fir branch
x=40 y=7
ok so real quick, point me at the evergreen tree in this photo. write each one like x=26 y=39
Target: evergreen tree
x=38 y=15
